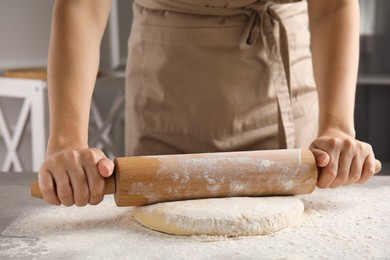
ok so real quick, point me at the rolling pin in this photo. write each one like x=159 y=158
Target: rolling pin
x=143 y=180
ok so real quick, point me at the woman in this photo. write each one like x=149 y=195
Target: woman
x=208 y=76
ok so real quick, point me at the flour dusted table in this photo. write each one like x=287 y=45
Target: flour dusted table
x=346 y=223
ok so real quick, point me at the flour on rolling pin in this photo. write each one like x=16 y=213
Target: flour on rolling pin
x=227 y=175
x=211 y=168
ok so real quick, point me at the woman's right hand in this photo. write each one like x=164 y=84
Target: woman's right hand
x=74 y=176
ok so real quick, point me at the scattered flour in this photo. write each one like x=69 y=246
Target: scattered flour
x=346 y=223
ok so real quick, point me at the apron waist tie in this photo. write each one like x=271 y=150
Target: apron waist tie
x=266 y=23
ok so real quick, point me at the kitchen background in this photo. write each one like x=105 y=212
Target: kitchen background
x=24 y=37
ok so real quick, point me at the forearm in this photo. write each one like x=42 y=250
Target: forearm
x=335 y=50
x=77 y=29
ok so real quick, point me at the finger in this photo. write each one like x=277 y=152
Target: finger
x=47 y=187
x=328 y=173
x=356 y=170
x=79 y=185
x=90 y=159
x=368 y=169
x=322 y=158
x=63 y=187
x=95 y=184
x=73 y=165
x=106 y=167
x=342 y=171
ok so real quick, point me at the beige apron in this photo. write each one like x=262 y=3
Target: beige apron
x=209 y=75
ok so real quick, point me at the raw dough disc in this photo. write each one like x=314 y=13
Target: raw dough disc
x=237 y=216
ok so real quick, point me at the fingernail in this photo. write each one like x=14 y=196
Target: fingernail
x=322 y=158
x=107 y=167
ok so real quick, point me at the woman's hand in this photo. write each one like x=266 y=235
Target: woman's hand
x=74 y=176
x=343 y=159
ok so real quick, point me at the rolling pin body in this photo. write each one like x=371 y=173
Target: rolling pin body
x=146 y=180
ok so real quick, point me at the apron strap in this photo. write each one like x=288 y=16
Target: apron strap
x=265 y=22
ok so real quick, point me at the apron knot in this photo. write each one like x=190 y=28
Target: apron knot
x=260 y=23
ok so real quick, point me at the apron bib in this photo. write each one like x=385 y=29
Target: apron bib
x=206 y=76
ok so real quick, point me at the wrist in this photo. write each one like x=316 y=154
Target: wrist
x=342 y=123
x=58 y=143
x=337 y=129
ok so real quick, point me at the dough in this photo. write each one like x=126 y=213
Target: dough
x=237 y=216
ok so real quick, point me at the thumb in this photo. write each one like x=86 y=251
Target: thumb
x=106 y=167
x=322 y=158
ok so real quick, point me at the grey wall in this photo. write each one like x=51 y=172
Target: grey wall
x=25 y=32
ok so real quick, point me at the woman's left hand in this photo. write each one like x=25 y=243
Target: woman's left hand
x=343 y=159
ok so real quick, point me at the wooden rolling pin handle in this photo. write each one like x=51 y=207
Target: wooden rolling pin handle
x=109 y=187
